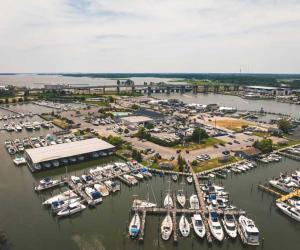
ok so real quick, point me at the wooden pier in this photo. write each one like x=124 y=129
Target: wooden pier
x=283 y=198
x=203 y=211
x=142 y=231
x=269 y=190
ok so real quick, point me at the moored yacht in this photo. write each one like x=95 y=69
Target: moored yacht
x=184 y=226
x=166 y=227
x=194 y=202
x=198 y=225
x=168 y=202
x=134 y=226
x=230 y=225
x=249 y=230
x=69 y=194
x=61 y=204
x=291 y=211
x=93 y=194
x=142 y=204
x=47 y=183
x=71 y=209
x=102 y=189
x=215 y=226
x=180 y=197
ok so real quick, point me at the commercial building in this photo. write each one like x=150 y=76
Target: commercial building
x=266 y=90
x=248 y=153
x=136 y=120
x=67 y=153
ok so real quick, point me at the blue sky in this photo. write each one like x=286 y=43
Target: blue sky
x=150 y=36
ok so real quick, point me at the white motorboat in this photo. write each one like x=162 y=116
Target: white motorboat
x=112 y=186
x=71 y=209
x=137 y=175
x=47 y=183
x=194 y=202
x=180 y=197
x=166 y=227
x=230 y=225
x=215 y=226
x=76 y=180
x=61 y=197
x=87 y=178
x=184 y=226
x=131 y=179
x=168 y=202
x=291 y=211
x=249 y=230
x=102 y=189
x=174 y=177
x=93 y=194
x=143 y=204
x=189 y=179
x=198 y=226
x=19 y=160
x=134 y=226
x=283 y=185
x=61 y=204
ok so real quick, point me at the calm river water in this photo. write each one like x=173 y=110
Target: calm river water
x=30 y=226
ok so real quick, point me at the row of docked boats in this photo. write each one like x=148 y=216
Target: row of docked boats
x=189 y=178
x=12 y=116
x=286 y=183
x=270 y=158
x=291 y=208
x=218 y=227
x=18 y=127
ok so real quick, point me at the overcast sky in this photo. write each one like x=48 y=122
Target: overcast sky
x=150 y=36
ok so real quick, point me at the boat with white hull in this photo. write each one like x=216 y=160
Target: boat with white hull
x=180 y=197
x=194 y=202
x=290 y=211
x=94 y=195
x=229 y=224
x=47 y=183
x=198 y=225
x=71 y=209
x=102 y=189
x=56 y=206
x=166 y=227
x=184 y=226
x=215 y=226
x=142 y=204
x=61 y=197
x=168 y=202
x=134 y=226
x=249 y=230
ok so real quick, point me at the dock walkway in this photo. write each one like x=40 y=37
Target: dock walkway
x=283 y=198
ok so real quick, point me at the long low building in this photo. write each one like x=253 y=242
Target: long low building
x=67 y=153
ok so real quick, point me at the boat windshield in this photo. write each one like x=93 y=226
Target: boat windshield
x=217 y=227
x=231 y=228
x=198 y=223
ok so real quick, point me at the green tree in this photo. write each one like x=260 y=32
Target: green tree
x=284 y=125
x=265 y=145
x=181 y=162
x=198 y=135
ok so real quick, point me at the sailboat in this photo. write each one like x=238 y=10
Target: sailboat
x=166 y=227
x=168 y=202
x=184 y=226
x=134 y=226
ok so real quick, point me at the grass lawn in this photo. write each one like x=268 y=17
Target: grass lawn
x=60 y=123
x=290 y=143
x=209 y=142
x=261 y=134
x=213 y=163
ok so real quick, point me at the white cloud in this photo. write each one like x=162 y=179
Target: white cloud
x=150 y=36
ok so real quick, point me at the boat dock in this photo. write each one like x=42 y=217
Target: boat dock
x=168 y=172
x=283 y=198
x=269 y=190
x=10 y=110
x=203 y=211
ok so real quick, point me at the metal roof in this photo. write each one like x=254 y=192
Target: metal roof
x=136 y=119
x=64 y=150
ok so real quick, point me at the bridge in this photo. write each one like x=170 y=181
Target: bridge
x=141 y=88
